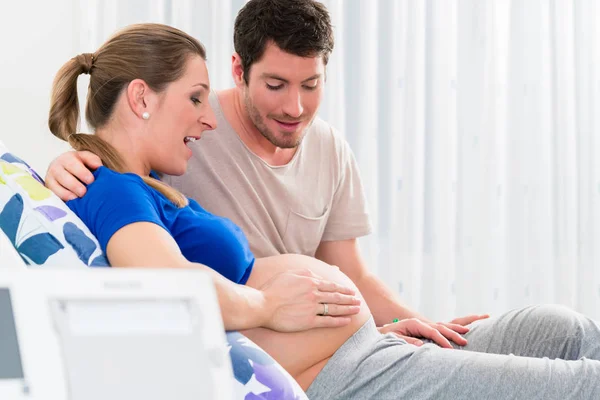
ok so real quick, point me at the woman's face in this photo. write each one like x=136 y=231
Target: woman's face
x=183 y=113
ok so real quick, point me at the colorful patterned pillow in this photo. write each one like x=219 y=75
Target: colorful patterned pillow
x=39 y=225
x=257 y=375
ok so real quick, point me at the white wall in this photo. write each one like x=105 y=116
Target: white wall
x=36 y=38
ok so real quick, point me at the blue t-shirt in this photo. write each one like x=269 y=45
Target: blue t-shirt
x=115 y=200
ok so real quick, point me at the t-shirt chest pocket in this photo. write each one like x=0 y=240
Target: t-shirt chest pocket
x=303 y=233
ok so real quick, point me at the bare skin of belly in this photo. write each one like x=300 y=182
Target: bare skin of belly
x=303 y=354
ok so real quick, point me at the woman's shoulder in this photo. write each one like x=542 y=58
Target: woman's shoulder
x=105 y=179
x=111 y=187
x=105 y=174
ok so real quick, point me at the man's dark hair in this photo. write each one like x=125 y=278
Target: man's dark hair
x=299 y=27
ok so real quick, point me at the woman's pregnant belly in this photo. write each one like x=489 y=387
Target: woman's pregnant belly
x=303 y=354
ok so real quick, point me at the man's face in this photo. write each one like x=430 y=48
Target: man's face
x=283 y=94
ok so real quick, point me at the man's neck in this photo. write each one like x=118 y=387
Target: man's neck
x=234 y=111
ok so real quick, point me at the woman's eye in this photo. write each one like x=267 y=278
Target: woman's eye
x=195 y=100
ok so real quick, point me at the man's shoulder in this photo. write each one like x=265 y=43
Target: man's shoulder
x=326 y=140
x=320 y=127
x=322 y=133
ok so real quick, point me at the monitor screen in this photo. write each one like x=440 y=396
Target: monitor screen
x=120 y=317
x=10 y=356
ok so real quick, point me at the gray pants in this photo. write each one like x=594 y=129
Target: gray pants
x=523 y=354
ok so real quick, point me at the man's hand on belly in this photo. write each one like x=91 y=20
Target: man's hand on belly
x=411 y=329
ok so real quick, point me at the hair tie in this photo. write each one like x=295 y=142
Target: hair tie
x=86 y=60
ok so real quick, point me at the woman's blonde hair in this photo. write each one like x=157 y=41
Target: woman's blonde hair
x=155 y=53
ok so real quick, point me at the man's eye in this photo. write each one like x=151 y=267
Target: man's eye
x=271 y=87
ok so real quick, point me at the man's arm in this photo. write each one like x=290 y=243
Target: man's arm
x=385 y=305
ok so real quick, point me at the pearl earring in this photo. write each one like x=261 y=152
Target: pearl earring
x=146 y=115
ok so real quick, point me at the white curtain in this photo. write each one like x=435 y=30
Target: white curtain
x=475 y=125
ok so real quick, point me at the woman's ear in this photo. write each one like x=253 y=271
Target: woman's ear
x=237 y=70
x=140 y=98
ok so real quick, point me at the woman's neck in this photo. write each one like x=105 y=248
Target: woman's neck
x=130 y=151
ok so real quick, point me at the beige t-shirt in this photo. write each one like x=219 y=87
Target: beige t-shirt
x=317 y=196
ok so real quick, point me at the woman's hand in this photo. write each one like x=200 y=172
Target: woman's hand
x=295 y=301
